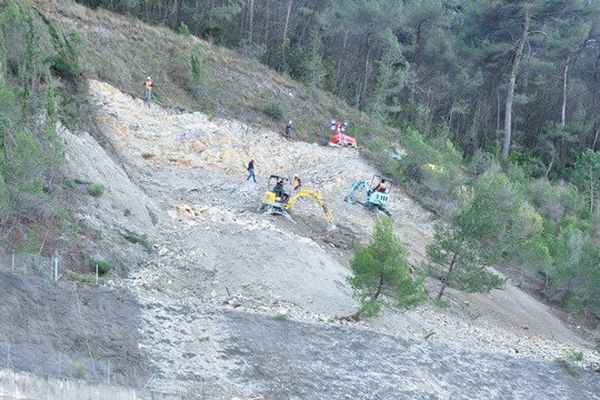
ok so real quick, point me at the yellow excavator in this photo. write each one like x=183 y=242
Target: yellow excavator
x=278 y=200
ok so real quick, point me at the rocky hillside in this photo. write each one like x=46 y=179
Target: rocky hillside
x=213 y=299
x=222 y=271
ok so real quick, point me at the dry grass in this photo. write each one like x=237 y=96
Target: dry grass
x=123 y=51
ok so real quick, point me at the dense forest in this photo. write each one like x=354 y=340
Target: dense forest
x=495 y=102
x=507 y=76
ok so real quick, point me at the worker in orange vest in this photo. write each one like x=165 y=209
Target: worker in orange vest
x=382 y=186
x=148 y=85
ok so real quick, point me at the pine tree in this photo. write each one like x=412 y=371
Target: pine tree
x=381 y=268
x=453 y=250
x=393 y=69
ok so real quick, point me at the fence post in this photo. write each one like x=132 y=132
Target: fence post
x=108 y=370
x=12 y=262
x=8 y=362
x=96 y=273
x=55 y=267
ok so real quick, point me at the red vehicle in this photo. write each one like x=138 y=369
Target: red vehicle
x=339 y=138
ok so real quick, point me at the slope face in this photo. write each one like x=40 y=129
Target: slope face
x=196 y=168
x=216 y=252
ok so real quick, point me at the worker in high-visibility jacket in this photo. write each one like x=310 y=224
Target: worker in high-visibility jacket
x=148 y=85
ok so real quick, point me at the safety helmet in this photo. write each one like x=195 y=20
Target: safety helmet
x=148 y=79
x=290 y=122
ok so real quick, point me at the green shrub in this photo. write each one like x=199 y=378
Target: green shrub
x=104 y=265
x=141 y=239
x=434 y=169
x=96 y=190
x=88 y=279
x=576 y=355
x=183 y=29
x=282 y=314
x=78 y=369
x=380 y=268
x=275 y=111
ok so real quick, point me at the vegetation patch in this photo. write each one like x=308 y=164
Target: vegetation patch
x=141 y=239
x=96 y=190
x=104 y=265
x=275 y=111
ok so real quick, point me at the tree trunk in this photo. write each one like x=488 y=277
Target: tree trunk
x=591 y=191
x=363 y=87
x=339 y=63
x=497 y=113
x=511 y=86
x=358 y=314
x=251 y=23
x=595 y=138
x=285 y=30
x=563 y=112
x=447 y=277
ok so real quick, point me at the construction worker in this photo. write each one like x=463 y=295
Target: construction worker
x=250 y=170
x=288 y=128
x=279 y=190
x=297 y=183
x=148 y=85
x=381 y=186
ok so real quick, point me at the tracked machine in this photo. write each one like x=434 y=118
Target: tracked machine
x=278 y=200
x=374 y=195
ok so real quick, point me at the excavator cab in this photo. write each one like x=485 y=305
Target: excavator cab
x=376 y=192
x=278 y=200
x=278 y=191
x=379 y=192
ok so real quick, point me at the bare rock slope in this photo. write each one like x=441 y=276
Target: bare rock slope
x=222 y=270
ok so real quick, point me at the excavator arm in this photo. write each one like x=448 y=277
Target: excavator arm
x=356 y=187
x=303 y=193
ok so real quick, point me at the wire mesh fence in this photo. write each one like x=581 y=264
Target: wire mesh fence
x=28 y=263
x=51 y=268
x=26 y=346
x=17 y=357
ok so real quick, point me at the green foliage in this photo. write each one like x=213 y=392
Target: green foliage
x=141 y=239
x=461 y=261
x=587 y=176
x=393 y=70
x=576 y=355
x=434 y=168
x=30 y=244
x=78 y=370
x=282 y=314
x=96 y=190
x=104 y=265
x=183 y=29
x=275 y=110
x=381 y=268
x=35 y=57
x=87 y=279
